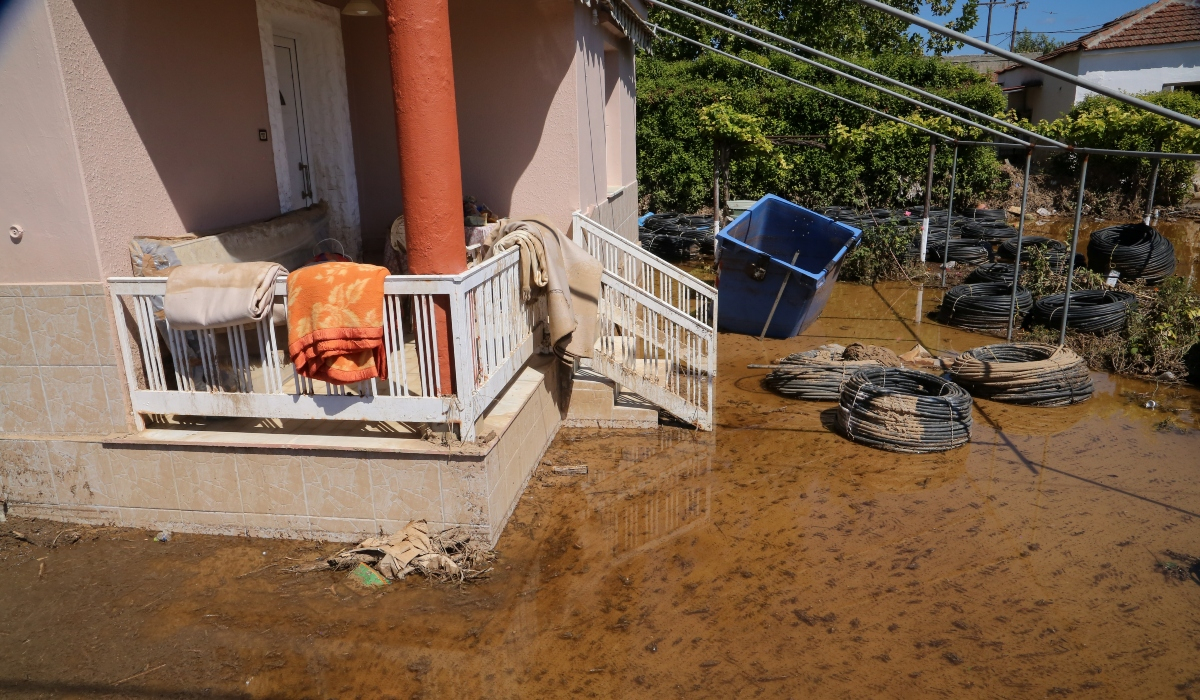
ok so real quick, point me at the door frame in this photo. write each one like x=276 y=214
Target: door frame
x=317 y=30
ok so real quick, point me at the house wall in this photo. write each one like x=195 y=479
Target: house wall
x=609 y=205
x=1054 y=97
x=167 y=100
x=41 y=181
x=1142 y=68
x=517 y=105
x=373 y=120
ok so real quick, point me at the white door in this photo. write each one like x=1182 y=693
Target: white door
x=291 y=104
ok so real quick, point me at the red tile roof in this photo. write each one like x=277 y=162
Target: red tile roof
x=1162 y=22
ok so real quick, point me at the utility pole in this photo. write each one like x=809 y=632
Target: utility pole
x=990 y=4
x=1012 y=40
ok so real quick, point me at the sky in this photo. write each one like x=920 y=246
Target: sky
x=1067 y=19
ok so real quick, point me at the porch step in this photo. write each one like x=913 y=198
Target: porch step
x=593 y=405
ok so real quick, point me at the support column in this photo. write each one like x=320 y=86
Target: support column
x=1062 y=331
x=1150 y=195
x=427 y=129
x=1012 y=305
x=928 y=194
x=950 y=214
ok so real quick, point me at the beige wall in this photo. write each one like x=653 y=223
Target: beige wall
x=593 y=172
x=41 y=183
x=167 y=100
x=373 y=120
x=517 y=104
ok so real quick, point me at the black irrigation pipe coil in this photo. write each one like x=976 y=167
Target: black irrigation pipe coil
x=992 y=272
x=1028 y=374
x=1092 y=310
x=1137 y=251
x=814 y=375
x=1056 y=252
x=961 y=250
x=990 y=231
x=903 y=410
x=982 y=306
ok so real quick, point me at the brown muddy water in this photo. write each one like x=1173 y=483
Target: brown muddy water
x=768 y=558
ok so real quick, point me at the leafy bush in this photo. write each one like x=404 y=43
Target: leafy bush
x=881 y=255
x=675 y=149
x=1102 y=122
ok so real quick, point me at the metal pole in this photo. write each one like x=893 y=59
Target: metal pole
x=833 y=59
x=950 y=214
x=1012 y=39
x=988 y=34
x=716 y=188
x=928 y=192
x=1062 y=331
x=1153 y=186
x=1012 y=306
x=779 y=295
x=1030 y=63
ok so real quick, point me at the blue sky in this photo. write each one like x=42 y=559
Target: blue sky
x=1069 y=19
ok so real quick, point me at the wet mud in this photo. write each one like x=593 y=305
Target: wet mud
x=769 y=558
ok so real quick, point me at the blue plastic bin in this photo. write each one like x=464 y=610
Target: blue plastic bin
x=754 y=254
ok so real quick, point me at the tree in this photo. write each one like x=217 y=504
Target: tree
x=842 y=27
x=1042 y=43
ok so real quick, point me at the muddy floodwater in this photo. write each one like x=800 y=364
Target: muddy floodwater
x=769 y=558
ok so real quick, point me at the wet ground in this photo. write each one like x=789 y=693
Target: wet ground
x=768 y=558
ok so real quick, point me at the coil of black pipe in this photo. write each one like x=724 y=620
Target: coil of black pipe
x=903 y=410
x=1137 y=251
x=813 y=375
x=982 y=306
x=987 y=230
x=991 y=272
x=1092 y=310
x=1029 y=374
x=961 y=250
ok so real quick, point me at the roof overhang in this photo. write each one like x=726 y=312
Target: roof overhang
x=632 y=23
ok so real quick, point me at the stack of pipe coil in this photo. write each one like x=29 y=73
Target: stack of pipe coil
x=903 y=410
x=1092 y=310
x=982 y=306
x=991 y=272
x=1055 y=251
x=1028 y=374
x=1137 y=251
x=815 y=375
x=675 y=236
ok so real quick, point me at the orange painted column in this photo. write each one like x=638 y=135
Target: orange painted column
x=427 y=126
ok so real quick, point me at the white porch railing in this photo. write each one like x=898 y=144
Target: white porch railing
x=244 y=371
x=657 y=332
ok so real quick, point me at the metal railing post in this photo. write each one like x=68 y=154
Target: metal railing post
x=1062 y=332
x=928 y=194
x=1153 y=186
x=1012 y=306
x=950 y=214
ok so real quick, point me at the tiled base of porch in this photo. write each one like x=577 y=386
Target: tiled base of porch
x=272 y=480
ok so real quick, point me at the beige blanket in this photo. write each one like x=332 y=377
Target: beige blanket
x=571 y=280
x=219 y=294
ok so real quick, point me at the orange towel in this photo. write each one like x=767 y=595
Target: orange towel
x=335 y=322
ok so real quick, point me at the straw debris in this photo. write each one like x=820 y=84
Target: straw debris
x=449 y=555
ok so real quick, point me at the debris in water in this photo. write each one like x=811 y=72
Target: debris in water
x=1151 y=404
x=571 y=470
x=363 y=575
x=164 y=536
x=1181 y=568
x=448 y=555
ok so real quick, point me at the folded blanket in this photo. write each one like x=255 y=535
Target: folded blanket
x=335 y=322
x=219 y=294
x=569 y=276
x=525 y=236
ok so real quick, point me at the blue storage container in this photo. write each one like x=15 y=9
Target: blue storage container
x=754 y=254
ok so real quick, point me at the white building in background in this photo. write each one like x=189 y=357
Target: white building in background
x=1154 y=48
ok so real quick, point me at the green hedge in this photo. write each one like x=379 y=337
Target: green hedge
x=675 y=150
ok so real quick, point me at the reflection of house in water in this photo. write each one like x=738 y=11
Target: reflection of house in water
x=655 y=494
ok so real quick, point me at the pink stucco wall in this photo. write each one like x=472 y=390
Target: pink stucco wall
x=517 y=104
x=167 y=100
x=41 y=180
x=373 y=120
